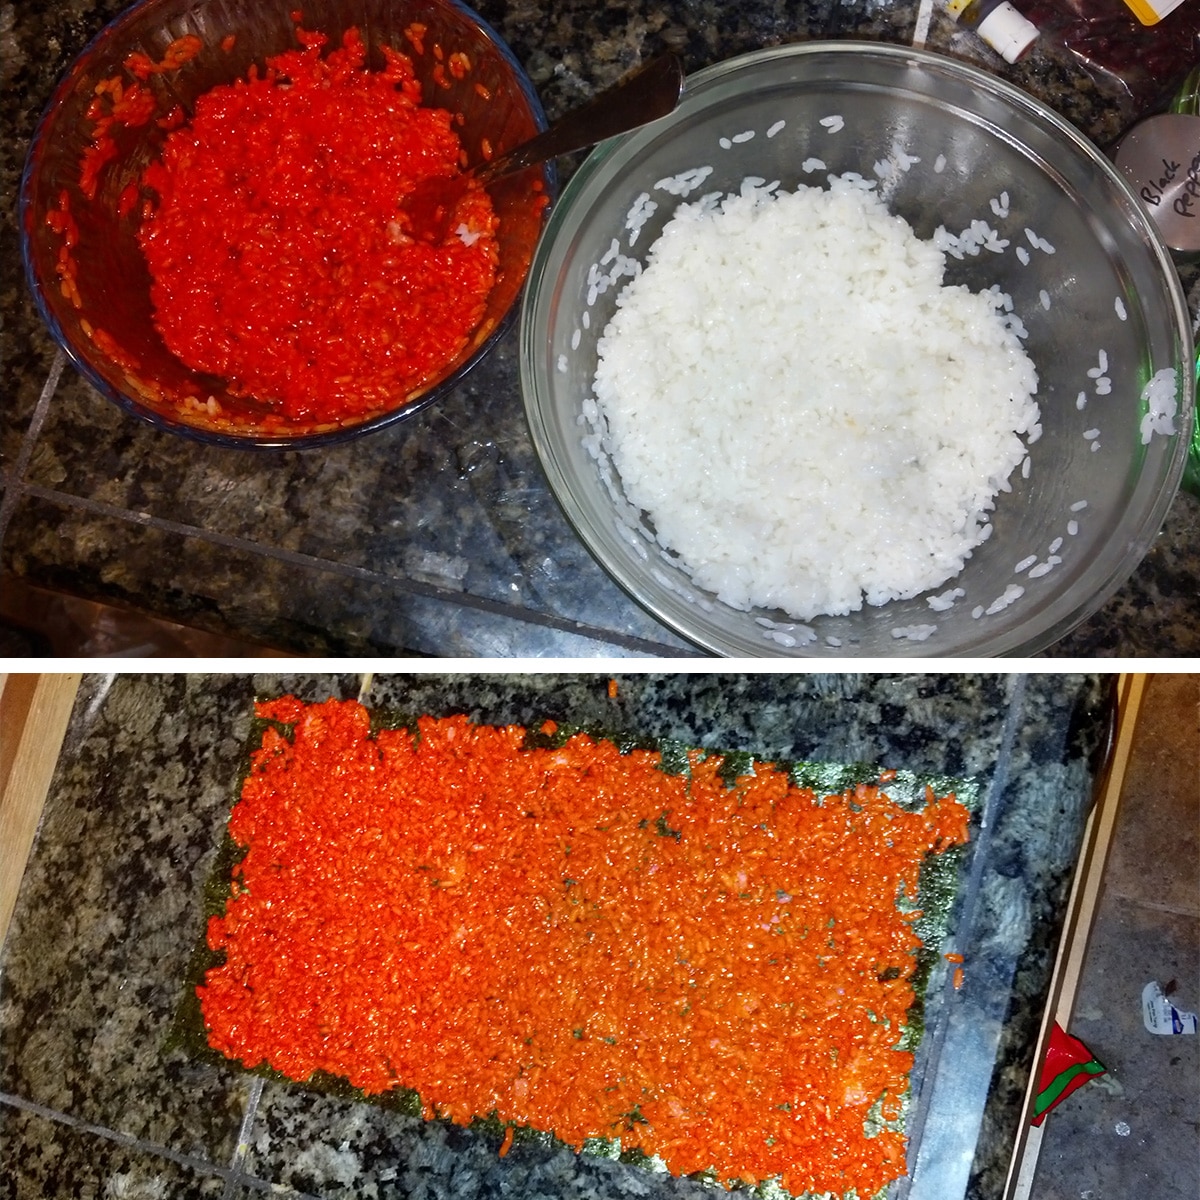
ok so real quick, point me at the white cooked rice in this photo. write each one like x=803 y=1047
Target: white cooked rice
x=944 y=601
x=1160 y=403
x=764 y=400
x=1012 y=593
x=915 y=633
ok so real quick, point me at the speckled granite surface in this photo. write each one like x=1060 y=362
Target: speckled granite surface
x=95 y=1102
x=439 y=537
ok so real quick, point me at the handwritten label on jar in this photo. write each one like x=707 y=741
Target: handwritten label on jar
x=1160 y=157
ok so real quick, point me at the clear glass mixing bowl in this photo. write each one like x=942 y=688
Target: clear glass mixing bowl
x=1066 y=536
x=494 y=101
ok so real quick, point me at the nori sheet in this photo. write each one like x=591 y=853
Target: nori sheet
x=936 y=894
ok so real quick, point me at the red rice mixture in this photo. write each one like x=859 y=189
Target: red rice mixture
x=279 y=254
x=575 y=940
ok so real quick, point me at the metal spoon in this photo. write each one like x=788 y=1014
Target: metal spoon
x=644 y=95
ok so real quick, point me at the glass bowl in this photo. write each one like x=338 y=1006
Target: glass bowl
x=1085 y=269
x=131 y=365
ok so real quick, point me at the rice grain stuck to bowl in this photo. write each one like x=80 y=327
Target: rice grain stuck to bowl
x=808 y=416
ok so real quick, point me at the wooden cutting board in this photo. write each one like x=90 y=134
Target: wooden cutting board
x=34 y=710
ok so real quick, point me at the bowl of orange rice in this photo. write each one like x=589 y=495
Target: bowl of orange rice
x=212 y=213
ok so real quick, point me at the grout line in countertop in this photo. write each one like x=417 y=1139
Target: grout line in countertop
x=1188 y=912
x=200 y=1165
x=243 y=1142
x=15 y=490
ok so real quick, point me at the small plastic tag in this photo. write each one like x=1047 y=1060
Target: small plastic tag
x=1161 y=1016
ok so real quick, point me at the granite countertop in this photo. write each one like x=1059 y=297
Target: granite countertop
x=439 y=536
x=98 y=1099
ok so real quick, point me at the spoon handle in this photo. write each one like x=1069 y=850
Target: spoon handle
x=644 y=95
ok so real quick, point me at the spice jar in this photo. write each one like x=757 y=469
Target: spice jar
x=1160 y=157
x=999 y=24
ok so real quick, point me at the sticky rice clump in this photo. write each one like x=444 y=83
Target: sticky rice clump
x=807 y=414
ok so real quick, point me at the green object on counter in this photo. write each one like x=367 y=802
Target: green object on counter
x=1191 y=472
x=1187 y=101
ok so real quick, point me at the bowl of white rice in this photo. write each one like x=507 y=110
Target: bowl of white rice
x=861 y=352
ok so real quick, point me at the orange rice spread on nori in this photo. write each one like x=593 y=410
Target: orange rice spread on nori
x=715 y=971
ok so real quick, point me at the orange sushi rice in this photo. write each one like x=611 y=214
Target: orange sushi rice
x=715 y=971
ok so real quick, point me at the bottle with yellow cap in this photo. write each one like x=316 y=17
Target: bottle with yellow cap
x=998 y=22
x=1150 y=12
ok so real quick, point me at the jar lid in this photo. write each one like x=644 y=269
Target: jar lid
x=1007 y=32
x=1160 y=157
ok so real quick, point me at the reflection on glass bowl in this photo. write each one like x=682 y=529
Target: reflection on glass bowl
x=1096 y=279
